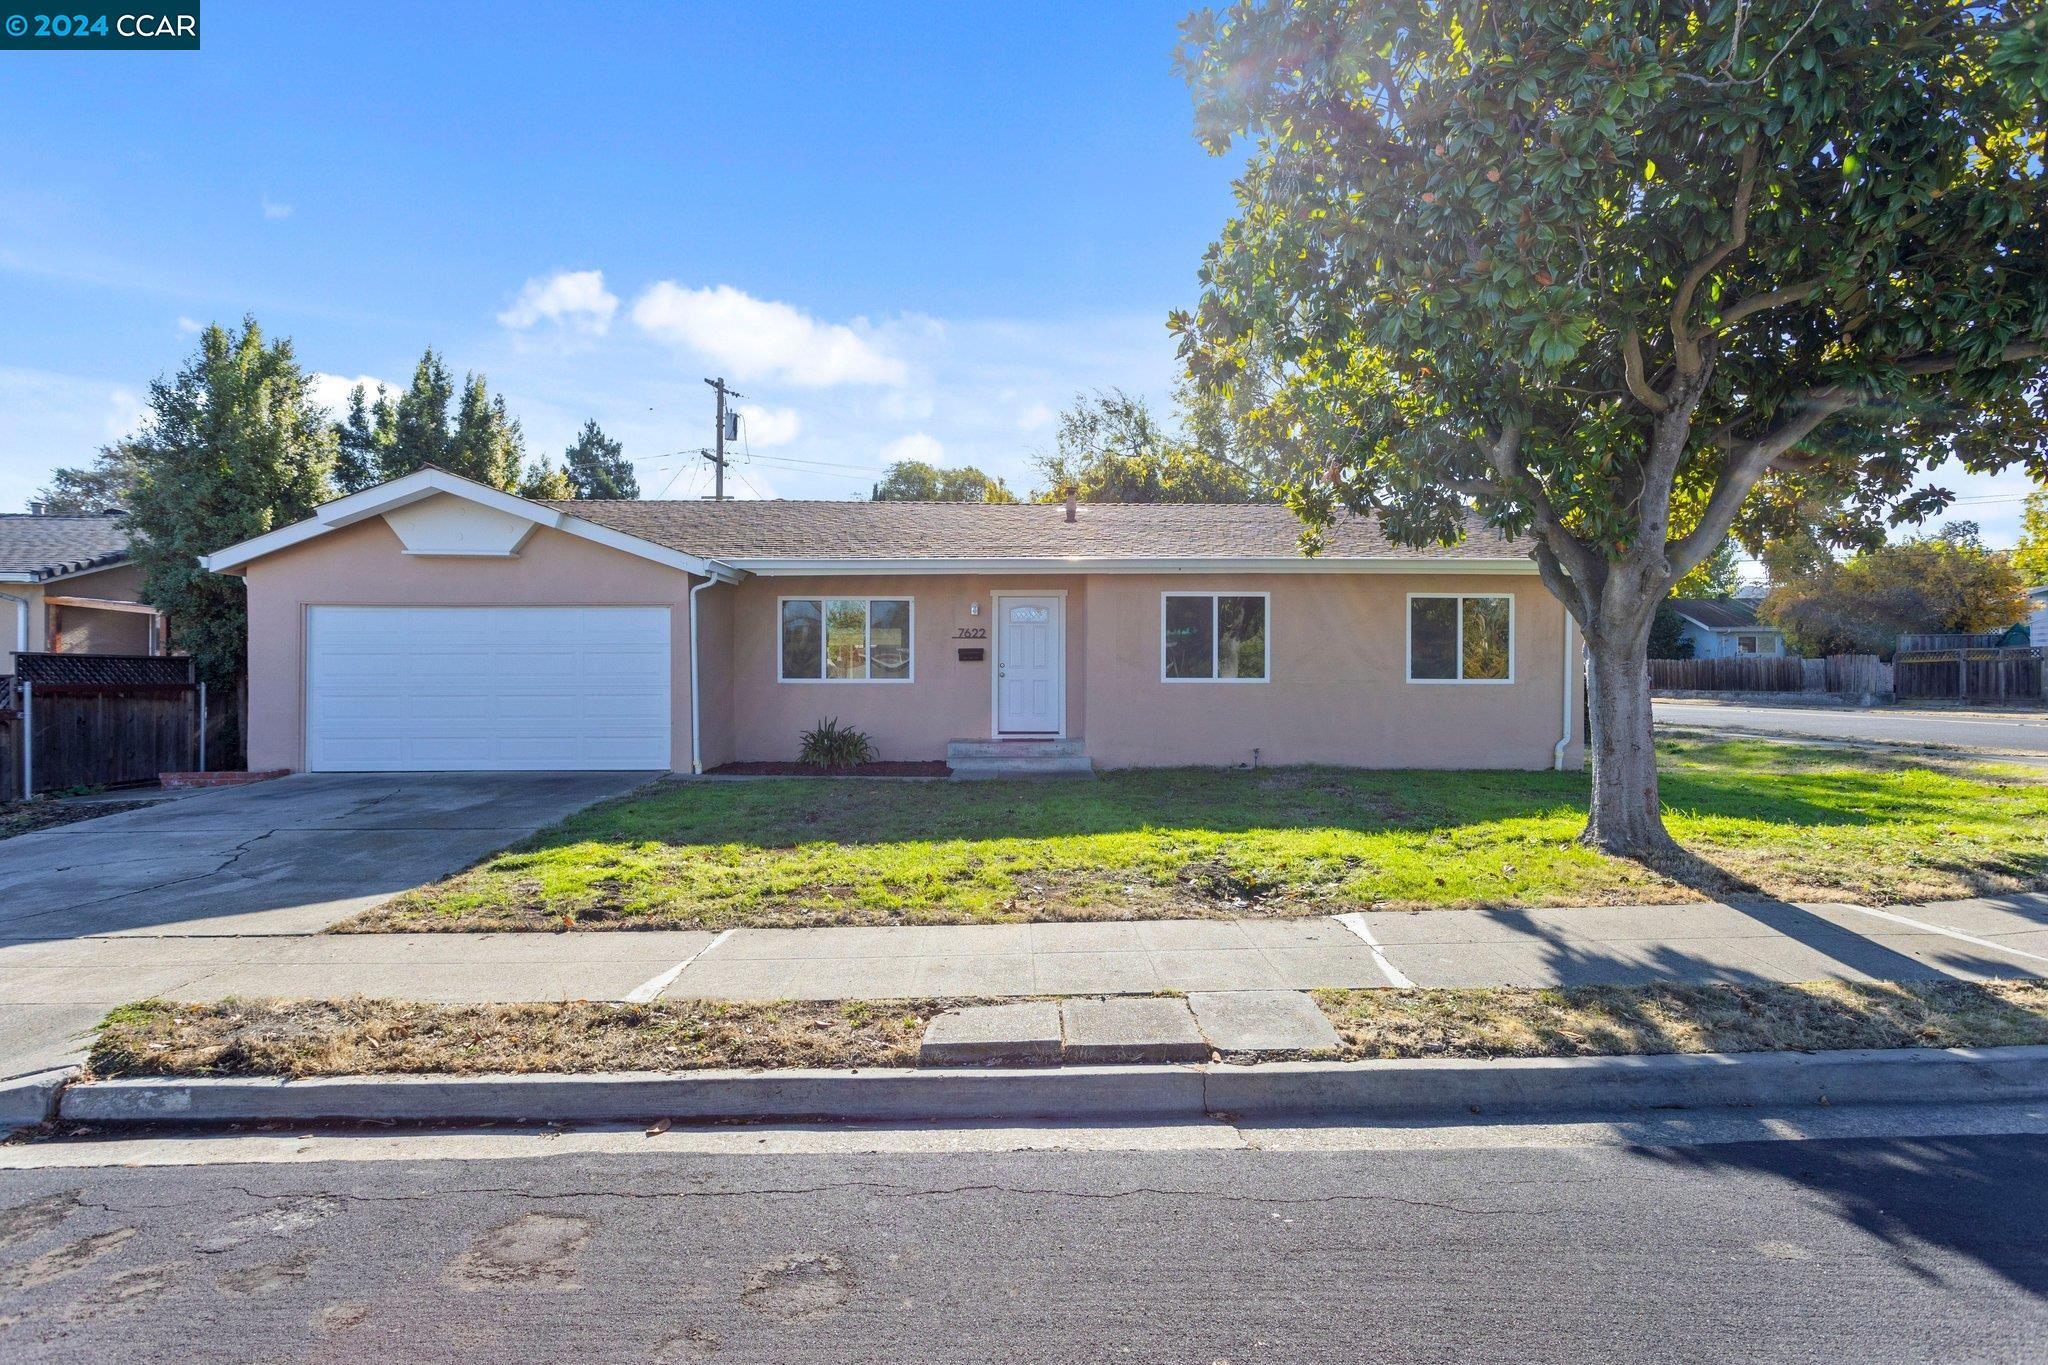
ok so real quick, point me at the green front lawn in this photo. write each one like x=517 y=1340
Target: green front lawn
x=1802 y=823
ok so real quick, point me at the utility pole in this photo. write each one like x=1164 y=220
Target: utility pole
x=728 y=429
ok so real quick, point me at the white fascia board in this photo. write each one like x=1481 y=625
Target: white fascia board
x=792 y=568
x=32 y=576
x=17 y=576
x=427 y=483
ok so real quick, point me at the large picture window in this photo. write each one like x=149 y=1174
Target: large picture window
x=846 y=639
x=1213 y=637
x=1461 y=637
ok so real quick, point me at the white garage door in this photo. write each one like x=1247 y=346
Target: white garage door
x=423 y=689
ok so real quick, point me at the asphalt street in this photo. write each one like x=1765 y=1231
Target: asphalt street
x=2016 y=732
x=1883 y=1246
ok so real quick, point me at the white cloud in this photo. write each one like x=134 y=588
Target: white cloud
x=575 y=299
x=759 y=339
x=189 y=326
x=274 y=210
x=770 y=426
x=1037 y=417
x=916 y=446
x=331 y=391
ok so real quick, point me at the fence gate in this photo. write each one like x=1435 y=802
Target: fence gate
x=104 y=720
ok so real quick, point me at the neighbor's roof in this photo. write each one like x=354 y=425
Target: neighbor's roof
x=739 y=532
x=33 y=547
x=1731 y=615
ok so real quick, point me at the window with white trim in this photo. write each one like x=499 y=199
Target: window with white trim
x=845 y=639
x=1461 y=637
x=1213 y=637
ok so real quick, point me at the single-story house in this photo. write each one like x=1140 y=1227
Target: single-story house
x=67 y=586
x=435 y=623
x=1723 y=630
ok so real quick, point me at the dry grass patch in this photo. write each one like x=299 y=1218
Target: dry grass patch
x=384 y=1037
x=1599 y=1021
x=26 y=817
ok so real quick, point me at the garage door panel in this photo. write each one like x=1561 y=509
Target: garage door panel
x=498 y=688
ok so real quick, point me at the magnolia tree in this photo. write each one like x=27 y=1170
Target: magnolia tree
x=1627 y=277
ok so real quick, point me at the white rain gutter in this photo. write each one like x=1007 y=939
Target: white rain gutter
x=1563 y=739
x=719 y=572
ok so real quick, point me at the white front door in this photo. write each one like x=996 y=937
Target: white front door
x=1031 y=665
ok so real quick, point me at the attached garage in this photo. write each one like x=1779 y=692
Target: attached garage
x=404 y=689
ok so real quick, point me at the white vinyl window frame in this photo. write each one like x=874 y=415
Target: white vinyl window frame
x=867 y=643
x=1460 y=598
x=1216 y=636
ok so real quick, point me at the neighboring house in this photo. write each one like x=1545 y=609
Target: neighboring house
x=2037 y=619
x=66 y=585
x=434 y=623
x=1723 y=630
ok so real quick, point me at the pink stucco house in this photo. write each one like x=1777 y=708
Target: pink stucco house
x=434 y=623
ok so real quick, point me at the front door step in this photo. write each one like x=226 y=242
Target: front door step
x=974 y=758
x=1129 y=1028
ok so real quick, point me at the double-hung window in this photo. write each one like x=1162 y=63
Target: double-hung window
x=1214 y=637
x=1461 y=637
x=845 y=639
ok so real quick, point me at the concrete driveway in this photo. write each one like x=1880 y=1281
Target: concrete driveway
x=286 y=857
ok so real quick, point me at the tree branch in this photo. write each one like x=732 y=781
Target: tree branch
x=1742 y=467
x=1632 y=369
x=1759 y=303
x=1684 y=346
x=1574 y=555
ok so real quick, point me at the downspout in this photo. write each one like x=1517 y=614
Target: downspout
x=696 y=709
x=1563 y=739
x=27 y=734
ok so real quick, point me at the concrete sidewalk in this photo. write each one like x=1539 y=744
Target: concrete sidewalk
x=52 y=990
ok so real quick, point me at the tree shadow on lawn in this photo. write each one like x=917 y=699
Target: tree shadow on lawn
x=787 y=814
x=1834 y=951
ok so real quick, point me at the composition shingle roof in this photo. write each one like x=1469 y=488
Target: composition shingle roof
x=46 y=546
x=1734 y=615
x=743 y=531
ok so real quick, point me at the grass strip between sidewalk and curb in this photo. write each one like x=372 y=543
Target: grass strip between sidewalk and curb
x=299 y=1038
x=1797 y=822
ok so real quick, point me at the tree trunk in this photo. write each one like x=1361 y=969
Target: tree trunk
x=1625 y=816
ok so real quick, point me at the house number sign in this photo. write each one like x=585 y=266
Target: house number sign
x=971 y=633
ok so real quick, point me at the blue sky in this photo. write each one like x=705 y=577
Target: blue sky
x=902 y=229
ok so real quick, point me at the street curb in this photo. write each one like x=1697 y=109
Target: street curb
x=1422 y=1089
x=28 y=1100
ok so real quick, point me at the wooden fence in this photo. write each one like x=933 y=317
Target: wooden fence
x=2012 y=675
x=1852 y=675
x=98 y=720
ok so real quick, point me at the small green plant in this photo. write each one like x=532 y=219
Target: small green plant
x=828 y=744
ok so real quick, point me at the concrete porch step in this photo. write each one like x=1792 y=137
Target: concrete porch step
x=983 y=758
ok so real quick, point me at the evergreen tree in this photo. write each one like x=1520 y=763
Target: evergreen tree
x=598 y=467
x=487 y=445
x=236 y=447
x=419 y=426
x=361 y=440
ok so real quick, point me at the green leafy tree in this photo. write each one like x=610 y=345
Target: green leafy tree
x=109 y=481
x=1943 y=583
x=2031 y=558
x=916 y=481
x=1628 y=277
x=543 y=480
x=1714 y=578
x=1110 y=448
x=598 y=466
x=419 y=434
x=486 y=445
x=235 y=447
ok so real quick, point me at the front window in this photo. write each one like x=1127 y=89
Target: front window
x=1455 y=637
x=1214 y=637
x=1747 y=644
x=846 y=639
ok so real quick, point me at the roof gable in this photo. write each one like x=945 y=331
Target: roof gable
x=423 y=484
x=1735 y=614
